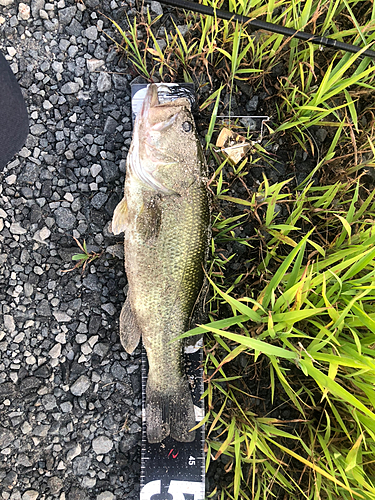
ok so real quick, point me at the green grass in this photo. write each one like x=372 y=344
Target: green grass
x=312 y=327
x=84 y=258
x=297 y=315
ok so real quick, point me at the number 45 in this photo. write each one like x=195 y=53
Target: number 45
x=176 y=489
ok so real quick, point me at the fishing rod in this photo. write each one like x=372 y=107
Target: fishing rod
x=263 y=25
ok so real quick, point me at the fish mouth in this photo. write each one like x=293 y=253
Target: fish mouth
x=154 y=112
x=151 y=100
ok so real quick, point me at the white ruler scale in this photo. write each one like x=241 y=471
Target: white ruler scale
x=172 y=470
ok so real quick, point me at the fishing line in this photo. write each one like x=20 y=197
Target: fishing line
x=263 y=25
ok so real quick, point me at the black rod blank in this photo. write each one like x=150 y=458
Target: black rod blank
x=262 y=25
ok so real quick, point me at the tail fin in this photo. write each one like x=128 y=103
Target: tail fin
x=169 y=413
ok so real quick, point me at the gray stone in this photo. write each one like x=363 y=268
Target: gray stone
x=24 y=460
x=41 y=430
x=23 y=11
x=91 y=33
x=128 y=442
x=30 y=172
x=55 y=485
x=98 y=200
x=156 y=8
x=248 y=122
x=64 y=44
x=7 y=389
x=30 y=495
x=29 y=384
x=36 y=6
x=66 y=15
x=64 y=218
x=92 y=283
x=80 y=386
x=15 y=228
x=11 y=179
x=74 y=29
x=109 y=308
x=116 y=250
x=110 y=171
x=5 y=3
x=81 y=465
x=102 y=445
x=101 y=349
x=55 y=351
x=43 y=308
x=72 y=51
x=106 y=495
x=77 y=493
x=51 y=25
x=41 y=235
x=94 y=64
x=66 y=407
x=183 y=29
x=9 y=323
x=135 y=428
x=38 y=129
x=57 y=66
x=118 y=371
x=81 y=337
x=61 y=337
x=26 y=428
x=62 y=317
x=6 y=438
x=104 y=82
x=252 y=105
x=321 y=134
x=120 y=82
x=110 y=125
x=94 y=169
x=49 y=402
x=10 y=480
x=43 y=371
x=70 y=88
x=74 y=452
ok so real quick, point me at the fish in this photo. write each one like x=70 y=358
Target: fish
x=165 y=215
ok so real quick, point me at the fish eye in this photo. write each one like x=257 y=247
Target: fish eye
x=187 y=127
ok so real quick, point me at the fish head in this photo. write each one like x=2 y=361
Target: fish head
x=165 y=149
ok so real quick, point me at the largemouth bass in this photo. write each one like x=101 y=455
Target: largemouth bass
x=165 y=217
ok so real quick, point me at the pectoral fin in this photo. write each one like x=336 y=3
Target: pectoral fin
x=130 y=333
x=119 y=219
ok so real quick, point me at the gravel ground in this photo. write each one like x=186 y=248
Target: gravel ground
x=70 y=406
x=70 y=401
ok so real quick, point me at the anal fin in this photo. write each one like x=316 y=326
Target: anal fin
x=130 y=333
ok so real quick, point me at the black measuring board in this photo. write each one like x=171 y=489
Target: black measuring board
x=172 y=470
